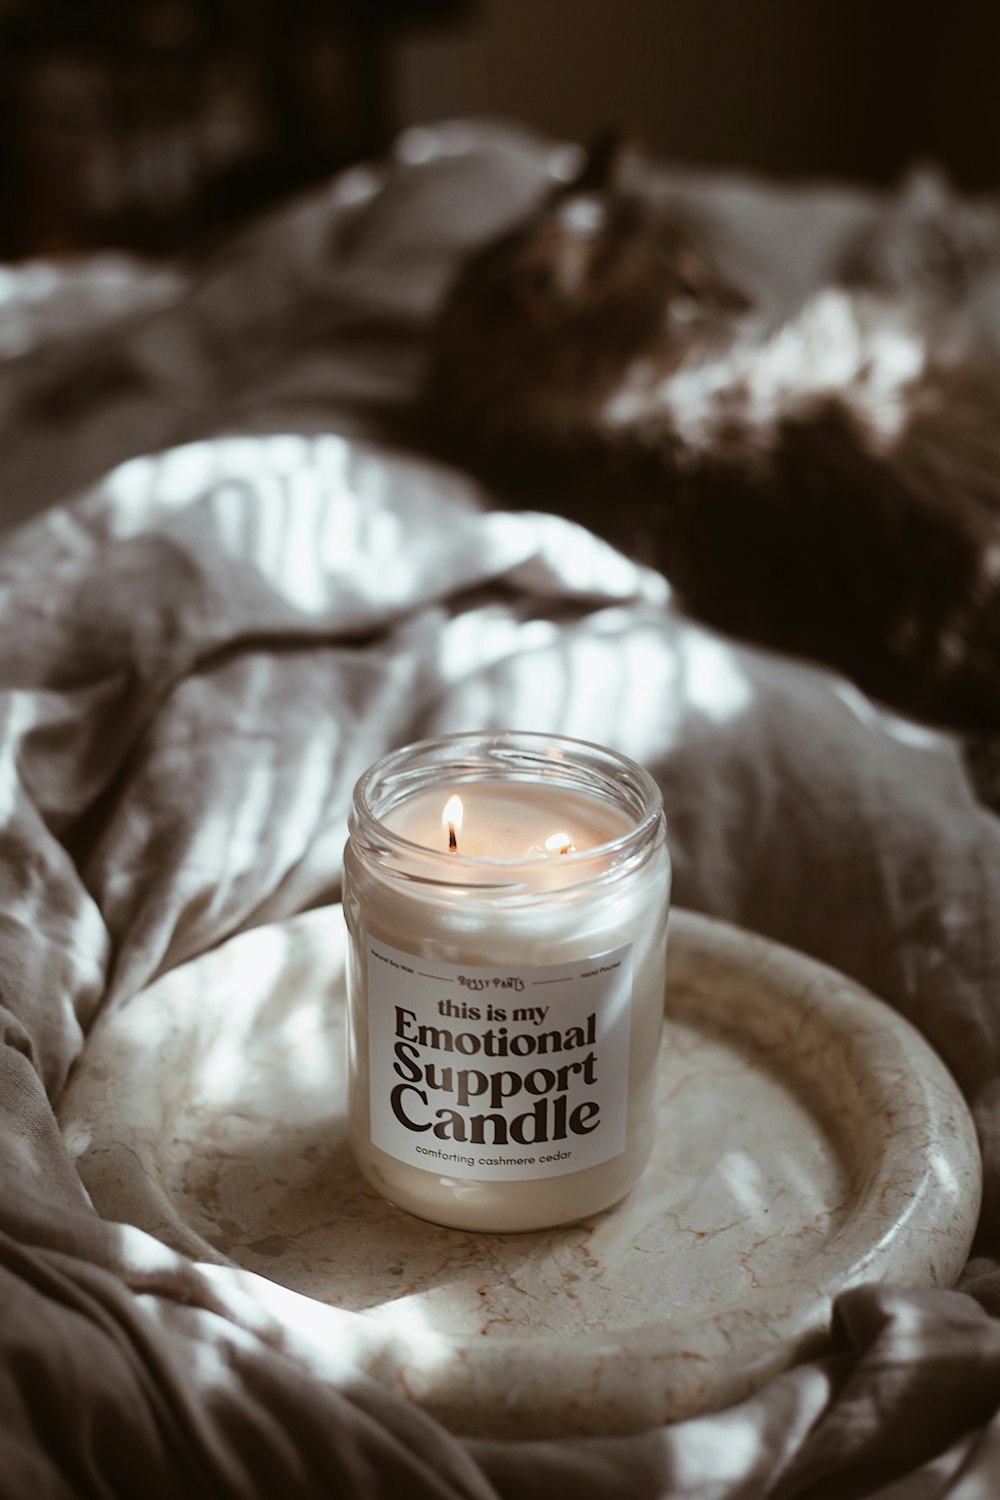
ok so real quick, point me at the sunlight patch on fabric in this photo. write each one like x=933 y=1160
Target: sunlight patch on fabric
x=713 y=683
x=16 y=718
x=716 y=1450
x=906 y=731
x=479 y=638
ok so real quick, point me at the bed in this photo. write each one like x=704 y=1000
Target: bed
x=229 y=581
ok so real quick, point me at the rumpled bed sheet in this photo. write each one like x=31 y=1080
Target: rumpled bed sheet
x=232 y=586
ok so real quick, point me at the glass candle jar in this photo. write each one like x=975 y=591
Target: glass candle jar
x=506 y=899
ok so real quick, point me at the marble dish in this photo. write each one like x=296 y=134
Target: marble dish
x=808 y=1140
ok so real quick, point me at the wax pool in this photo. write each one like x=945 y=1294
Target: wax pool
x=506 y=972
x=509 y=820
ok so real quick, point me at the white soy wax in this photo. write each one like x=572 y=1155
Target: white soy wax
x=506 y=897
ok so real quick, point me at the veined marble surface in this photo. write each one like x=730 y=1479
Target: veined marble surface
x=808 y=1140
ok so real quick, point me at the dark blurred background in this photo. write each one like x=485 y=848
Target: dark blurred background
x=157 y=124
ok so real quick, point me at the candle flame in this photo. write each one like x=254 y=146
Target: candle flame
x=451 y=820
x=560 y=843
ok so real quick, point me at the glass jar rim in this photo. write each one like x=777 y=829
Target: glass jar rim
x=499 y=751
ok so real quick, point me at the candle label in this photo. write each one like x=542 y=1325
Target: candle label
x=499 y=1073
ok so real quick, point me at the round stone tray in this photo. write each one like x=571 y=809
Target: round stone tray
x=808 y=1140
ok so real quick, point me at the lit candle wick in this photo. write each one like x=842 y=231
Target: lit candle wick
x=560 y=843
x=452 y=820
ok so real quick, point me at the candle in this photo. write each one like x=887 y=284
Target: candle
x=506 y=898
